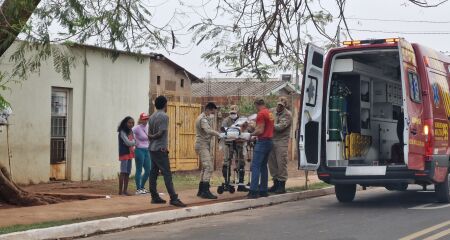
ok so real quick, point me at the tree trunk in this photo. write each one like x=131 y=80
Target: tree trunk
x=13 y=17
x=15 y=14
x=13 y=194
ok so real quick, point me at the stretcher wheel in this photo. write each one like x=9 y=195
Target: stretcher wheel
x=232 y=189
x=220 y=189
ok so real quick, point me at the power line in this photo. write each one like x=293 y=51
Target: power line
x=401 y=32
x=398 y=20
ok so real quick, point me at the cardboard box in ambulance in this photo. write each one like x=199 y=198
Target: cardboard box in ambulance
x=376 y=113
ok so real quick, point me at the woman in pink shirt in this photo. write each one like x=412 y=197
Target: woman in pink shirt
x=142 y=157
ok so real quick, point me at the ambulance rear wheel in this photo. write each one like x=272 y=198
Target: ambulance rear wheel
x=403 y=187
x=345 y=192
x=442 y=190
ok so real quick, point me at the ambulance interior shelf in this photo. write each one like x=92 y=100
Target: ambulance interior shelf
x=364 y=106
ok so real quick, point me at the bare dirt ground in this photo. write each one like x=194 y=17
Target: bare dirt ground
x=74 y=191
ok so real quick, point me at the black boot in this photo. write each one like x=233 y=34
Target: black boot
x=281 y=187
x=275 y=186
x=200 y=189
x=241 y=186
x=263 y=194
x=252 y=194
x=206 y=194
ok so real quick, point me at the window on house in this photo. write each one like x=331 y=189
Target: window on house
x=158 y=80
x=182 y=83
x=59 y=138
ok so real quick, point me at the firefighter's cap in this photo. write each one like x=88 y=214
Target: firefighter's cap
x=234 y=109
x=282 y=101
x=259 y=101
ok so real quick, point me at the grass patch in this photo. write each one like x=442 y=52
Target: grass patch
x=313 y=186
x=20 y=228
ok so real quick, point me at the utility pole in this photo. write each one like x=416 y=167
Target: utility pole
x=208 y=86
x=338 y=37
x=297 y=76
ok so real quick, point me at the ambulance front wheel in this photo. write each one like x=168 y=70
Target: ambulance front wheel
x=345 y=192
x=442 y=190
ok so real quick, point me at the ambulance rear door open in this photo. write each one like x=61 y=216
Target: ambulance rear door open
x=310 y=131
x=414 y=132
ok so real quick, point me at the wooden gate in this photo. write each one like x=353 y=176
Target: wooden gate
x=182 y=135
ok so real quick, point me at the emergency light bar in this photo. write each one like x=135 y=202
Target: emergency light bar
x=371 y=41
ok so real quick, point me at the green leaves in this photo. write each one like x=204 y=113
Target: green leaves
x=117 y=24
x=62 y=61
x=247 y=106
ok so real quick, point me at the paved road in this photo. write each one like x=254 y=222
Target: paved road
x=375 y=214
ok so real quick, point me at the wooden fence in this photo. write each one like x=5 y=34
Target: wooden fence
x=182 y=135
x=182 y=116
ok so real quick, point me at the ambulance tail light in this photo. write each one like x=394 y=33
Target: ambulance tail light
x=428 y=132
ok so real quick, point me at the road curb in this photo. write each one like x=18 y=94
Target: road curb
x=121 y=223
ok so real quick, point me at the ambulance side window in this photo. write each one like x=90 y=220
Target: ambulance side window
x=414 y=87
x=311 y=91
x=317 y=60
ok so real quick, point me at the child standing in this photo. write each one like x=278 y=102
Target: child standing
x=126 y=153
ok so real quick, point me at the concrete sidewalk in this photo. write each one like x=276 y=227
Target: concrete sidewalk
x=114 y=206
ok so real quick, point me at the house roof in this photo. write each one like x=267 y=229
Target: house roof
x=241 y=87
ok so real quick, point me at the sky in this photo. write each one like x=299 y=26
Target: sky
x=367 y=19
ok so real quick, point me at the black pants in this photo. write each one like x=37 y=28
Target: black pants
x=160 y=161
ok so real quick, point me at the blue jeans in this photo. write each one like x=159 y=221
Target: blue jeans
x=142 y=159
x=259 y=166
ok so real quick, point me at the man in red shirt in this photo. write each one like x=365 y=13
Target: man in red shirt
x=263 y=146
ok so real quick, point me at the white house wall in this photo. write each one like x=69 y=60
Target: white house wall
x=113 y=91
